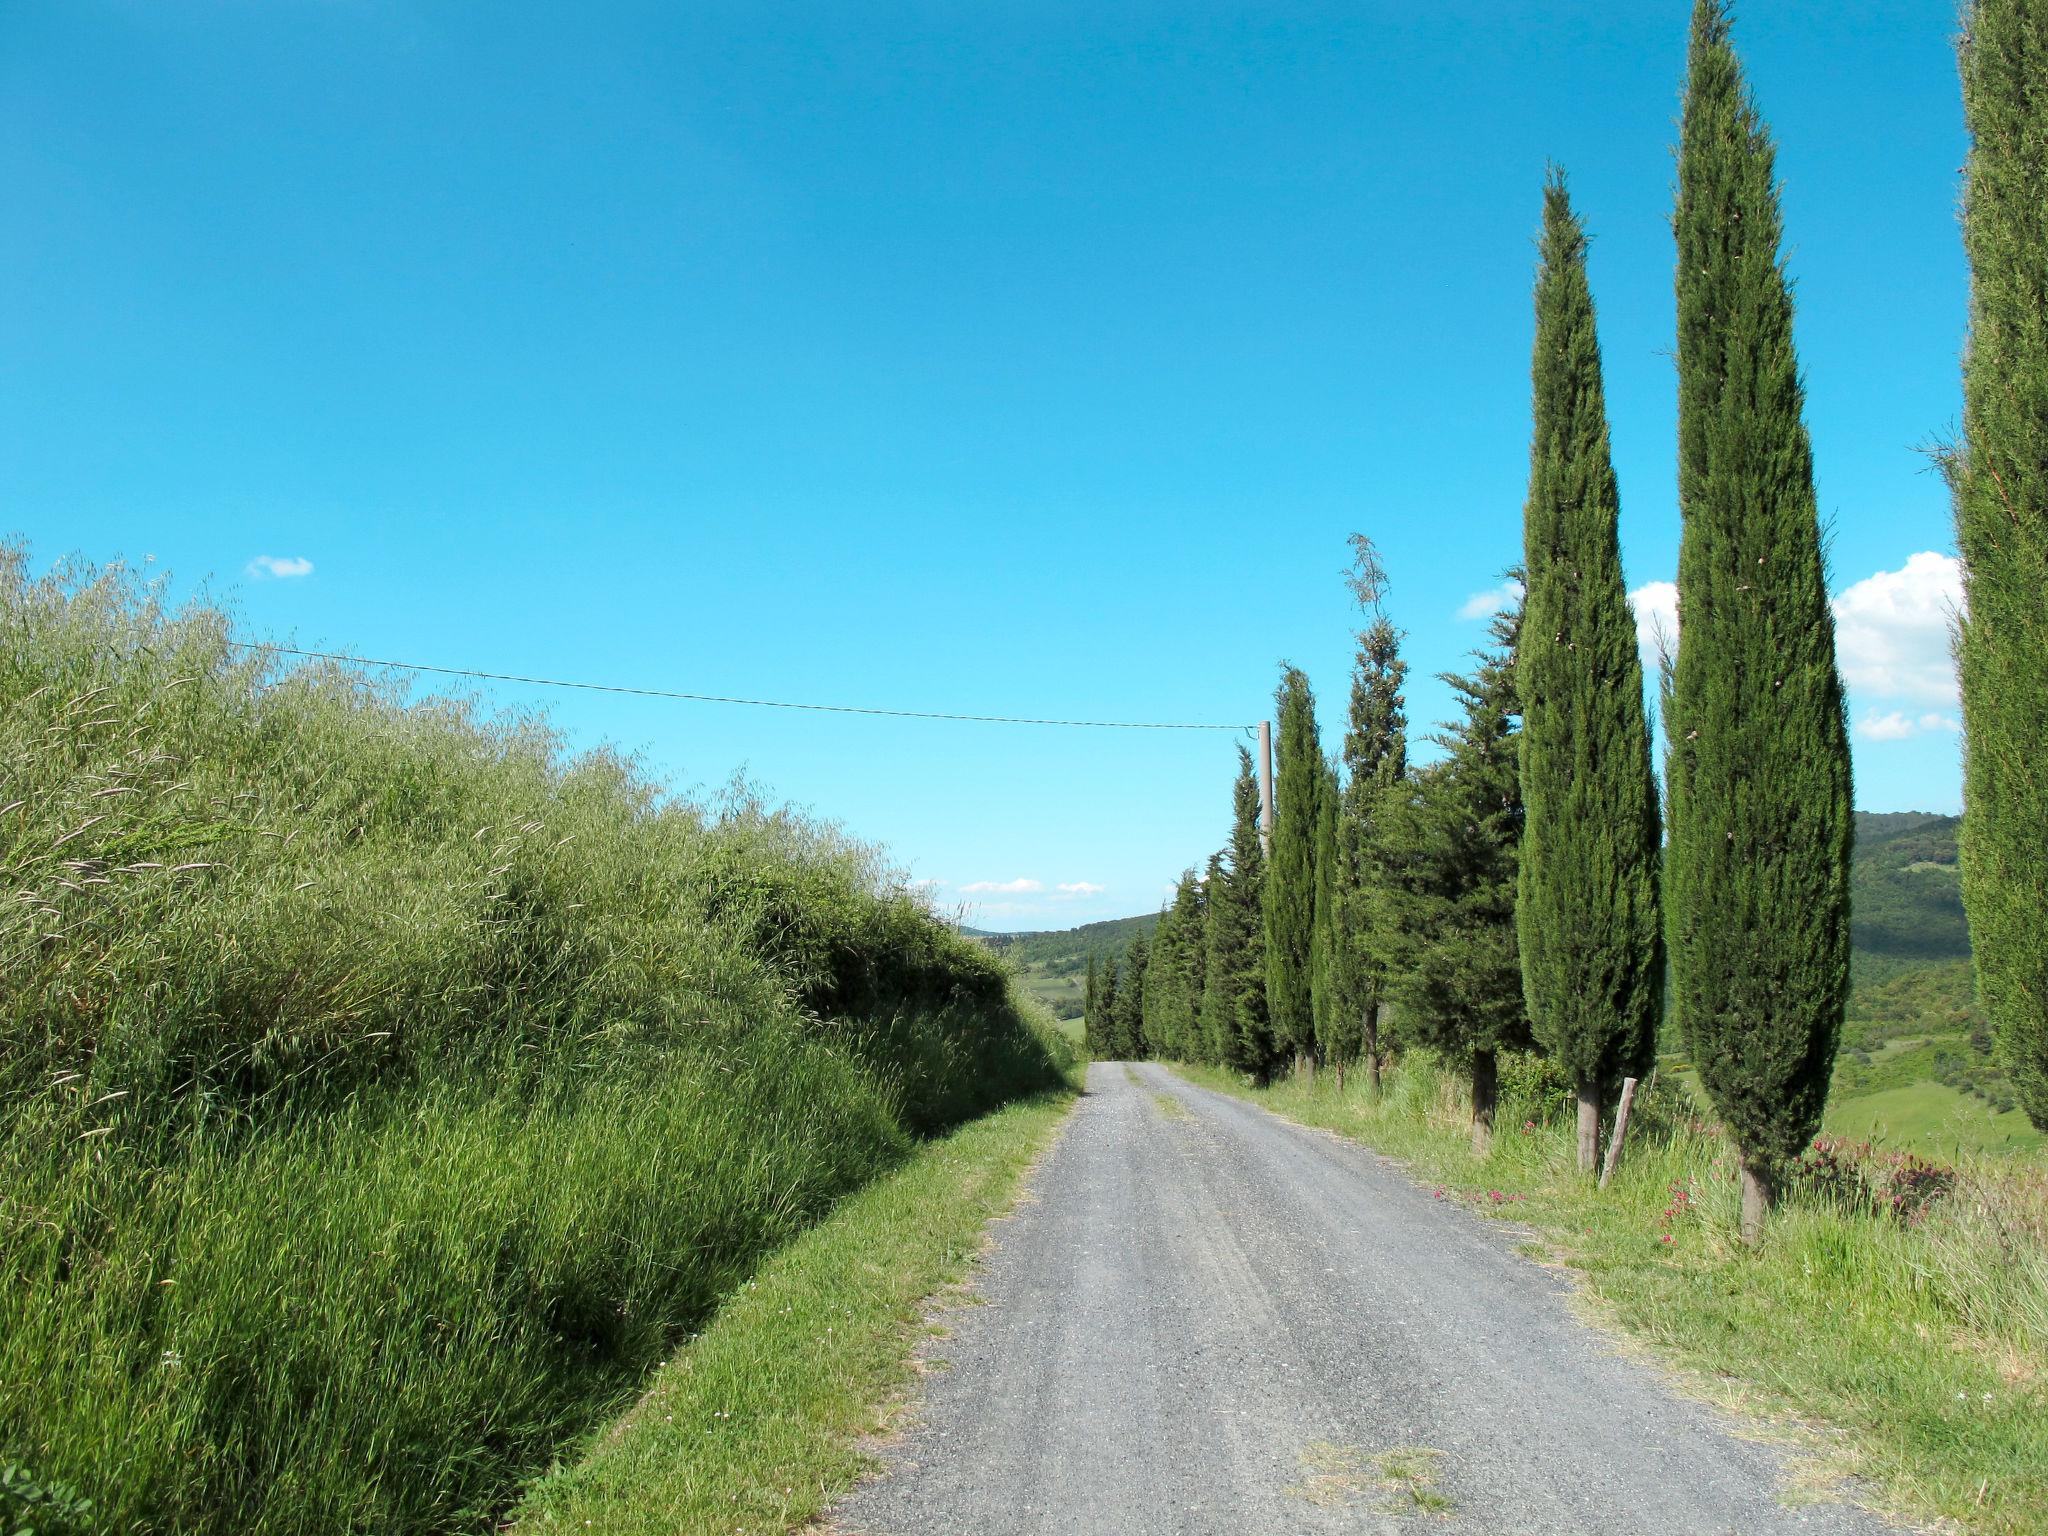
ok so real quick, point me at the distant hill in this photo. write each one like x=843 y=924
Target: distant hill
x=1053 y=963
x=1905 y=892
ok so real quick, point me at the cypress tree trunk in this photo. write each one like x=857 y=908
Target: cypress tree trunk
x=1759 y=1194
x=1291 y=873
x=1374 y=1019
x=2000 y=480
x=1758 y=894
x=1485 y=1099
x=1592 y=953
x=1589 y=1124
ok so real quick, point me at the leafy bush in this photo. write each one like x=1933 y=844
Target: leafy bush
x=1898 y=1184
x=385 y=1089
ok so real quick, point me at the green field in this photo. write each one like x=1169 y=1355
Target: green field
x=1933 y=1119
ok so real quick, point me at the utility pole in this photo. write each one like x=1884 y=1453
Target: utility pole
x=1266 y=788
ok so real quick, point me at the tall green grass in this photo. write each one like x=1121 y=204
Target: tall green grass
x=1922 y=1336
x=385 y=1090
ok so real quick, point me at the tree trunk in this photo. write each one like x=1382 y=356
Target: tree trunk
x=1337 y=1066
x=1373 y=1016
x=1759 y=1194
x=1485 y=1095
x=1589 y=1125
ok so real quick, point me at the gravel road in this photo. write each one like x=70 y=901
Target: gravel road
x=1205 y=1319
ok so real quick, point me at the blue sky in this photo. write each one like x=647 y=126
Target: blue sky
x=968 y=355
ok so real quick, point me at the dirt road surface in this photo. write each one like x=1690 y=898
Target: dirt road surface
x=1206 y=1319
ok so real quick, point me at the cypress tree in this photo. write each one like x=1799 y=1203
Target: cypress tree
x=1592 y=950
x=1335 y=1040
x=1102 y=1035
x=1174 y=978
x=1452 y=838
x=1130 y=1002
x=2000 y=479
x=1760 y=816
x=1234 y=968
x=1217 y=1017
x=1376 y=766
x=1091 y=1028
x=1291 y=877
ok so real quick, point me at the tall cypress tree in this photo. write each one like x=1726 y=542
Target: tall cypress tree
x=1452 y=838
x=1091 y=1010
x=1291 y=876
x=1216 y=1014
x=1234 y=1020
x=2000 y=479
x=1130 y=1002
x=1173 y=980
x=1592 y=950
x=1760 y=815
x=1376 y=766
x=1102 y=1035
x=1335 y=1038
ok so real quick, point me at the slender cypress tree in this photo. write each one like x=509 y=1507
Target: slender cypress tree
x=1091 y=1010
x=2000 y=479
x=1103 y=1040
x=1174 y=978
x=1592 y=949
x=1152 y=1014
x=1376 y=766
x=1130 y=1001
x=1335 y=1038
x=1234 y=966
x=1451 y=846
x=1291 y=877
x=1216 y=1019
x=1758 y=889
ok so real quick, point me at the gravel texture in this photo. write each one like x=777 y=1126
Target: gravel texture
x=1205 y=1318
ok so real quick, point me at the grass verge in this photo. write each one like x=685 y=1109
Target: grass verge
x=754 y=1426
x=1921 y=1345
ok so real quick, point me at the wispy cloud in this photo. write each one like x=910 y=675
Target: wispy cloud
x=280 y=567
x=1897 y=725
x=1018 y=887
x=1080 y=889
x=1484 y=605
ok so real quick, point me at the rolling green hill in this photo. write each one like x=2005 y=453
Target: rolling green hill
x=1052 y=964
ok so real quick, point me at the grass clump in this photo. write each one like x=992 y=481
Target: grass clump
x=386 y=1090
x=1900 y=1302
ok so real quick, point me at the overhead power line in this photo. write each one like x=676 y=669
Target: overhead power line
x=715 y=698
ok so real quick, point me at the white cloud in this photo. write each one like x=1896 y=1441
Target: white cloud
x=1888 y=727
x=1018 y=887
x=1656 y=606
x=1940 y=723
x=1891 y=635
x=1078 y=889
x=1484 y=605
x=264 y=567
x=1892 y=630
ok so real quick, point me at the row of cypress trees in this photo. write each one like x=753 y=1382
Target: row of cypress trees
x=1524 y=889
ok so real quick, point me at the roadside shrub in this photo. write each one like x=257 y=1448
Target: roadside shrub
x=1897 y=1184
